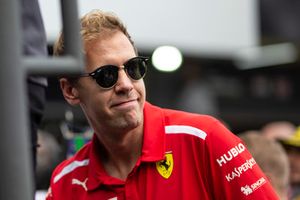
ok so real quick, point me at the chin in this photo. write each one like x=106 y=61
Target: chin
x=133 y=123
x=130 y=122
x=126 y=126
x=126 y=120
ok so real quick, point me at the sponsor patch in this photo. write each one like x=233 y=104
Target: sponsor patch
x=232 y=153
x=165 y=167
x=238 y=171
x=247 y=190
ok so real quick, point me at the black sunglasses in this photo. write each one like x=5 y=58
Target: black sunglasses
x=107 y=76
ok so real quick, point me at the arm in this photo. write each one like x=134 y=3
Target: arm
x=233 y=171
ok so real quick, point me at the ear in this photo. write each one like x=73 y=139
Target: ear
x=70 y=92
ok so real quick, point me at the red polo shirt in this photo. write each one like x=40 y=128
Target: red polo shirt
x=184 y=156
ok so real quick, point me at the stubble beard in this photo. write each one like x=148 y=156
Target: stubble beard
x=127 y=121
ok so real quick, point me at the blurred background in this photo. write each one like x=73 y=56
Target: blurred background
x=235 y=60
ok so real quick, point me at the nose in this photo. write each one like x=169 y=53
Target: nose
x=124 y=83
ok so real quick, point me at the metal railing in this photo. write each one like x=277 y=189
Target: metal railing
x=15 y=158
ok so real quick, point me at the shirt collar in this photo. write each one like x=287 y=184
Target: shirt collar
x=154 y=134
x=96 y=172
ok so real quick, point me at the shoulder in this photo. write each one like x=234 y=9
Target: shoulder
x=171 y=117
x=63 y=175
x=206 y=123
x=210 y=130
x=176 y=120
x=69 y=166
x=178 y=116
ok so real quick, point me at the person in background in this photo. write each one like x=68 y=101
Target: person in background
x=272 y=158
x=287 y=134
x=141 y=151
x=292 y=147
x=49 y=154
x=278 y=130
x=34 y=44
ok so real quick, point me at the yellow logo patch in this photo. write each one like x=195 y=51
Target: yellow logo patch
x=165 y=167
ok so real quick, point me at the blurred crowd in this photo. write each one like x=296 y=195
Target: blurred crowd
x=276 y=149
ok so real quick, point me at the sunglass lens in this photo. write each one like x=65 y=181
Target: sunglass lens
x=107 y=76
x=136 y=68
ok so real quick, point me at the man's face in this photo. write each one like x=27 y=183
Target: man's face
x=118 y=108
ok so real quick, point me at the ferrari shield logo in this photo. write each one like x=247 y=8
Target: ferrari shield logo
x=165 y=167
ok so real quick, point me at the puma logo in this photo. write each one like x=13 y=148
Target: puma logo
x=81 y=183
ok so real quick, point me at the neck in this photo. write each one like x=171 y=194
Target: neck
x=121 y=152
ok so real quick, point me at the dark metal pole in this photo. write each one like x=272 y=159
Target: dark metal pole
x=15 y=157
x=72 y=62
x=15 y=163
x=71 y=29
x=53 y=66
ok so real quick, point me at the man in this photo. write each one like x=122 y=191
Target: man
x=140 y=151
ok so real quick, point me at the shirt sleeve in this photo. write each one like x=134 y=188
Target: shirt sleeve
x=234 y=173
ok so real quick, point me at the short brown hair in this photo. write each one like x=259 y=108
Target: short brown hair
x=93 y=24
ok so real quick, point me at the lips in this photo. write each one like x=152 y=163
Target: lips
x=123 y=103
